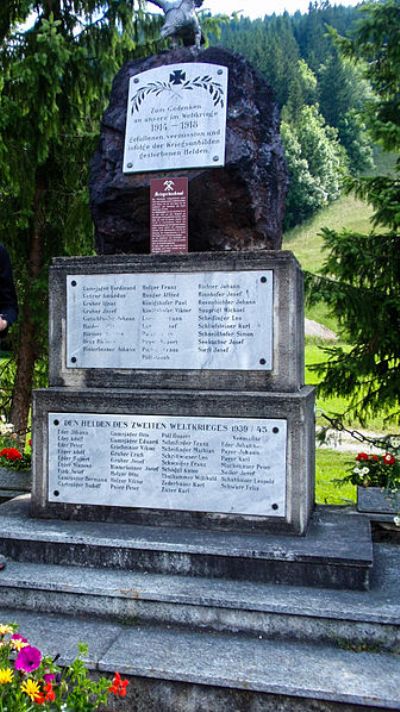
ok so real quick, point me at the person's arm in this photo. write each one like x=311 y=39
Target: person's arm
x=8 y=296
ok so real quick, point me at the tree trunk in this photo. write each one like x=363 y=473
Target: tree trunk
x=28 y=346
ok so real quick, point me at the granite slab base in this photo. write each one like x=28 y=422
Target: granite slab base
x=335 y=553
x=297 y=613
x=174 y=671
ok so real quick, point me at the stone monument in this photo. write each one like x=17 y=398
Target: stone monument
x=177 y=422
x=177 y=394
x=209 y=116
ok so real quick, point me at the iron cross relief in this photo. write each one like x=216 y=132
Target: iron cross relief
x=177 y=77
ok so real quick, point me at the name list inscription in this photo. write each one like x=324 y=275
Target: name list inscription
x=225 y=465
x=202 y=320
x=176 y=118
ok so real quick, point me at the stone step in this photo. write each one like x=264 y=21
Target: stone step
x=335 y=553
x=277 y=612
x=185 y=671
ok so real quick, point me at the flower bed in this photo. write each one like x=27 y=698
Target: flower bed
x=29 y=680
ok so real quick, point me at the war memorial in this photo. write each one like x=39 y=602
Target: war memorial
x=172 y=522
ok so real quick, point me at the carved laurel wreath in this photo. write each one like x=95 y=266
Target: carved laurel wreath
x=206 y=83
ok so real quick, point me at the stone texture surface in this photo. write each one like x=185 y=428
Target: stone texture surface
x=179 y=671
x=292 y=612
x=287 y=372
x=296 y=408
x=237 y=207
x=377 y=500
x=336 y=553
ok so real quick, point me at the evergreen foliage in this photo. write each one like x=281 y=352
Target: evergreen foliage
x=57 y=60
x=360 y=280
x=299 y=59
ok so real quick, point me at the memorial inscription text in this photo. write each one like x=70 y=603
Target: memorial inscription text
x=224 y=465
x=207 y=320
x=176 y=118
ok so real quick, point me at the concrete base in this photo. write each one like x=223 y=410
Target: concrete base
x=181 y=671
x=197 y=643
x=336 y=553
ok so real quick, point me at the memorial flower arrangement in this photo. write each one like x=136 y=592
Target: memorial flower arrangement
x=375 y=471
x=30 y=680
x=12 y=456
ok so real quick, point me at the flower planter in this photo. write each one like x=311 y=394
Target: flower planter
x=14 y=482
x=377 y=500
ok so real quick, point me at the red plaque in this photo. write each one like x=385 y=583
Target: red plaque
x=169 y=215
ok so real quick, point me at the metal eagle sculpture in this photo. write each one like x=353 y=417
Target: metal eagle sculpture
x=181 y=21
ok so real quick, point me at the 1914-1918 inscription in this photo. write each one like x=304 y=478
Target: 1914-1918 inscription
x=176 y=118
x=203 y=320
x=226 y=465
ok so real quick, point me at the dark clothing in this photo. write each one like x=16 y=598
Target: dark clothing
x=8 y=296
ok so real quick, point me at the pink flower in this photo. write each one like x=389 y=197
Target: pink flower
x=28 y=659
x=17 y=636
x=49 y=677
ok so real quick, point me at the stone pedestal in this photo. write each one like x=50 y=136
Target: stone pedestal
x=177 y=393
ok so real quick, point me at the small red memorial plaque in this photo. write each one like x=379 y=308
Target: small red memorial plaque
x=169 y=215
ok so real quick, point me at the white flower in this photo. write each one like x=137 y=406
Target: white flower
x=365 y=470
x=396 y=520
x=357 y=471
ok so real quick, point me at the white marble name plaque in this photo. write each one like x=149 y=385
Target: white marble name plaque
x=225 y=465
x=176 y=118
x=197 y=320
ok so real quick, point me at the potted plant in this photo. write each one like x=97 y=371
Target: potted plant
x=377 y=478
x=15 y=464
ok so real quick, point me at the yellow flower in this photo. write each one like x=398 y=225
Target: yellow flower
x=31 y=688
x=4 y=629
x=6 y=675
x=18 y=644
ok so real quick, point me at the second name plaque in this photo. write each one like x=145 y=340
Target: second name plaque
x=228 y=465
x=203 y=320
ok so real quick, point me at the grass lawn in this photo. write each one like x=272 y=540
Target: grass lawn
x=330 y=465
x=306 y=243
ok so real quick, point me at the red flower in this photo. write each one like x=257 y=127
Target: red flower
x=389 y=459
x=375 y=458
x=40 y=699
x=118 y=686
x=50 y=695
x=362 y=456
x=11 y=453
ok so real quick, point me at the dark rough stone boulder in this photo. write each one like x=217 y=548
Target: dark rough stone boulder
x=236 y=207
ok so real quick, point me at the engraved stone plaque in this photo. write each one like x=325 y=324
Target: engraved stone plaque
x=226 y=465
x=176 y=118
x=169 y=215
x=201 y=320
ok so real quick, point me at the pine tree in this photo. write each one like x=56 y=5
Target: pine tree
x=361 y=276
x=57 y=60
